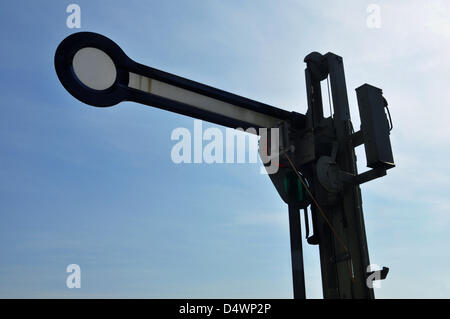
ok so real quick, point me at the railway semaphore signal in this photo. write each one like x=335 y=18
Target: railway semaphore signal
x=317 y=166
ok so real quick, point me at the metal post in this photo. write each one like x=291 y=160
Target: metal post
x=342 y=239
x=298 y=272
x=350 y=206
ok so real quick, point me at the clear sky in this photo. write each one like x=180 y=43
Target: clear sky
x=97 y=187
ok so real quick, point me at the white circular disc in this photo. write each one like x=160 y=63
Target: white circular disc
x=94 y=68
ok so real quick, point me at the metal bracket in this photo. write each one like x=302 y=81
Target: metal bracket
x=383 y=273
x=356 y=138
x=363 y=177
x=331 y=177
x=369 y=175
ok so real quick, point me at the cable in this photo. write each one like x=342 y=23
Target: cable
x=324 y=216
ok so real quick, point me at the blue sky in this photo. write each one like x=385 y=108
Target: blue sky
x=97 y=187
